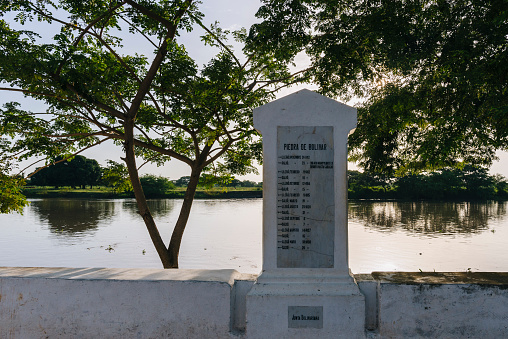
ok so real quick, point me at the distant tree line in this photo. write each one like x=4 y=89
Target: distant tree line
x=468 y=183
x=82 y=172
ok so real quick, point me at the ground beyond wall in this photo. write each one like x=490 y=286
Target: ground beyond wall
x=137 y=303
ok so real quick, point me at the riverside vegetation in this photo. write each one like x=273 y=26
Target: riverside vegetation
x=70 y=178
x=468 y=183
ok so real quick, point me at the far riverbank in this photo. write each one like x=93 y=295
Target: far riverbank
x=218 y=193
x=105 y=193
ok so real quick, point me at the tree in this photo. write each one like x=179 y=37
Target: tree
x=234 y=183
x=155 y=185
x=478 y=183
x=78 y=171
x=11 y=199
x=54 y=175
x=84 y=171
x=367 y=185
x=209 y=181
x=433 y=74
x=501 y=186
x=155 y=107
x=116 y=175
x=182 y=182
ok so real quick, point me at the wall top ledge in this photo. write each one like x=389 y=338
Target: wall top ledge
x=230 y=275
x=135 y=274
x=438 y=278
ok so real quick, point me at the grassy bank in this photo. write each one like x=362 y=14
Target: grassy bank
x=223 y=193
x=107 y=193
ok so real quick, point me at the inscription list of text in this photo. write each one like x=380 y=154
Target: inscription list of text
x=305 y=197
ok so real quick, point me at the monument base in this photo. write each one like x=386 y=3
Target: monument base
x=305 y=307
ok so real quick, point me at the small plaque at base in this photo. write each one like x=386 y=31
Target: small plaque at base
x=305 y=316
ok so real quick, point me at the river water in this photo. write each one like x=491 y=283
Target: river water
x=383 y=236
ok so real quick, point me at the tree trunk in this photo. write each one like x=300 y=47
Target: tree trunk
x=176 y=237
x=143 y=208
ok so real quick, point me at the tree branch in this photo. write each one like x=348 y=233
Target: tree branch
x=87 y=28
x=110 y=110
x=155 y=148
x=64 y=159
x=36 y=93
x=270 y=82
x=226 y=48
x=138 y=30
x=220 y=153
x=161 y=53
x=165 y=22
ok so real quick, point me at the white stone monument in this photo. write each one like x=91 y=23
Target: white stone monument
x=305 y=289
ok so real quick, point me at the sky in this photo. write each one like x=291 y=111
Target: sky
x=231 y=14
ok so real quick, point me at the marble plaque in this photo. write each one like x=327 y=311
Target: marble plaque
x=305 y=197
x=305 y=316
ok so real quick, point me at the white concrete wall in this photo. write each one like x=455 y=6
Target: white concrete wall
x=438 y=305
x=116 y=303
x=137 y=303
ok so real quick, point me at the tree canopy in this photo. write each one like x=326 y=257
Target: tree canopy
x=78 y=171
x=155 y=106
x=154 y=186
x=433 y=74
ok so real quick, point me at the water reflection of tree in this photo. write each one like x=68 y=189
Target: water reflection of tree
x=431 y=218
x=74 y=216
x=160 y=208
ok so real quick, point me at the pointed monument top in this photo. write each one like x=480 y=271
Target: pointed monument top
x=305 y=108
